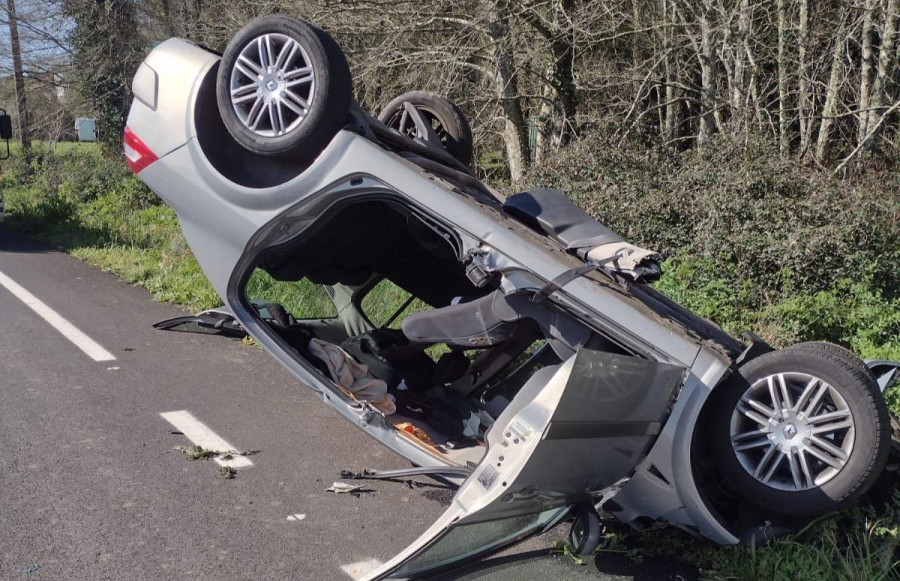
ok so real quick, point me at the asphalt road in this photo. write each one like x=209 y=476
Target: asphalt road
x=91 y=486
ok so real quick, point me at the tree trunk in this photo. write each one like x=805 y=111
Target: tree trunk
x=668 y=20
x=865 y=72
x=515 y=132
x=544 y=139
x=803 y=83
x=783 y=122
x=559 y=105
x=831 y=96
x=708 y=74
x=738 y=86
x=21 y=102
x=886 y=68
x=563 y=48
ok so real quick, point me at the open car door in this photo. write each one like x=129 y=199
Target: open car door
x=573 y=434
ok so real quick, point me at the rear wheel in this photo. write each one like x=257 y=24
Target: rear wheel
x=283 y=88
x=800 y=431
x=446 y=119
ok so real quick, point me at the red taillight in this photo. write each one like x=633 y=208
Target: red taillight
x=137 y=155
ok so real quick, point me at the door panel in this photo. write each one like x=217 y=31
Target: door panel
x=571 y=433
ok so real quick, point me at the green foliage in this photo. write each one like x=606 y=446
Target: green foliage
x=852 y=312
x=753 y=216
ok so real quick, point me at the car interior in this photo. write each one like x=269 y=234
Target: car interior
x=453 y=355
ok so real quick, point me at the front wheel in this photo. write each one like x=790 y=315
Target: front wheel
x=802 y=431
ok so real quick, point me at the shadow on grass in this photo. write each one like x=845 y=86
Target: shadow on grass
x=43 y=229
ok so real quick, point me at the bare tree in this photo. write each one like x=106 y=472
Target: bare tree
x=21 y=100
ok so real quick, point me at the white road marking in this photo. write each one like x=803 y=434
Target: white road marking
x=90 y=347
x=198 y=433
x=296 y=516
x=360 y=569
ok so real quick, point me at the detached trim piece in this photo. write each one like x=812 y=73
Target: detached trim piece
x=209 y=322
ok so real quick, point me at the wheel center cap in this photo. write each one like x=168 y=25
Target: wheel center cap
x=790 y=430
x=271 y=85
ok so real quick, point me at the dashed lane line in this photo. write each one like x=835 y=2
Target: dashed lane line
x=90 y=347
x=198 y=433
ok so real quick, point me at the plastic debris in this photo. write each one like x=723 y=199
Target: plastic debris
x=343 y=488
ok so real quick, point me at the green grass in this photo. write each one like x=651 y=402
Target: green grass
x=56 y=147
x=856 y=544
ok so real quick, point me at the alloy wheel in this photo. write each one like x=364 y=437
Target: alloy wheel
x=272 y=85
x=792 y=431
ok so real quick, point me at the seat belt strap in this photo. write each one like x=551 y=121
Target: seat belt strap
x=567 y=277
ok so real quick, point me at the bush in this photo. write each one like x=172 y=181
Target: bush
x=766 y=226
x=853 y=312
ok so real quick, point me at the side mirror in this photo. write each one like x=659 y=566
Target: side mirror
x=6 y=131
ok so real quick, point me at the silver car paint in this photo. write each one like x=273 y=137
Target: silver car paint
x=201 y=196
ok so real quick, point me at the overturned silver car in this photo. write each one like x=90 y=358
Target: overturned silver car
x=525 y=358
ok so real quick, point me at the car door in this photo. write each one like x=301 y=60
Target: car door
x=574 y=433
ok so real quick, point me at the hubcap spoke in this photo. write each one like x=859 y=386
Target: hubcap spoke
x=785 y=393
x=753 y=415
x=256 y=113
x=248 y=65
x=796 y=473
x=301 y=81
x=404 y=120
x=831 y=422
x=804 y=467
x=824 y=446
x=251 y=88
x=275 y=118
x=286 y=55
x=297 y=99
x=815 y=399
x=769 y=462
x=749 y=440
x=760 y=407
x=251 y=97
x=301 y=72
x=806 y=394
x=297 y=110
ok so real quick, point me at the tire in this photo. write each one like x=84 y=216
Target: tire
x=788 y=490
x=836 y=350
x=448 y=121
x=279 y=130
